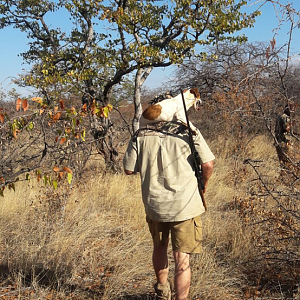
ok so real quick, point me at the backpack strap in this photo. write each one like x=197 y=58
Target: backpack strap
x=169 y=128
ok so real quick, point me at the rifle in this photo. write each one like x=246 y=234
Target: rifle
x=195 y=156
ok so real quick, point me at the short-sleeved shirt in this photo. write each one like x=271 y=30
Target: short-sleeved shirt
x=169 y=185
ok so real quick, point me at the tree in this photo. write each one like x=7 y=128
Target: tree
x=132 y=35
x=225 y=76
x=224 y=80
x=106 y=42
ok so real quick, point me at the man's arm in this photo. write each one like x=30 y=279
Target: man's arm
x=130 y=164
x=207 y=170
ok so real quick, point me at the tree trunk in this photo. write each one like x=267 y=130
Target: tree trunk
x=140 y=77
x=101 y=127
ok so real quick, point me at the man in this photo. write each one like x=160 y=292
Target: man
x=162 y=156
x=283 y=135
x=282 y=126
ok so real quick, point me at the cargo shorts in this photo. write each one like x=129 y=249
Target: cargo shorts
x=186 y=236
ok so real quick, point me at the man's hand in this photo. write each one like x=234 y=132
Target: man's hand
x=207 y=170
x=128 y=172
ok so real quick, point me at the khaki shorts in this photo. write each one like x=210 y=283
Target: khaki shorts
x=186 y=236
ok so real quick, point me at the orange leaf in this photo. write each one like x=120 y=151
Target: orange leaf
x=110 y=107
x=84 y=107
x=101 y=112
x=37 y=99
x=62 y=104
x=273 y=43
x=67 y=170
x=93 y=107
x=25 y=104
x=63 y=140
x=18 y=104
x=55 y=108
x=1 y=118
x=268 y=52
x=15 y=133
x=38 y=177
x=41 y=111
x=56 y=169
x=56 y=116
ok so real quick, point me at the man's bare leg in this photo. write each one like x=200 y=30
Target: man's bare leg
x=160 y=263
x=182 y=275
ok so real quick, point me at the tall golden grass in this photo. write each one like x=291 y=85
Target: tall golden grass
x=92 y=242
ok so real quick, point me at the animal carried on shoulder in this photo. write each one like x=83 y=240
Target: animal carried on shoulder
x=171 y=109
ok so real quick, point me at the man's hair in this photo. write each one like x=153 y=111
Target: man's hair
x=287 y=110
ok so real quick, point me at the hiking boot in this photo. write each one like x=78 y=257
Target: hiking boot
x=163 y=291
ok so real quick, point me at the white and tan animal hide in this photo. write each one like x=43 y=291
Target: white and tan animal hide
x=171 y=109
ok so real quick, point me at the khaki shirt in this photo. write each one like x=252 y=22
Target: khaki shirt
x=169 y=186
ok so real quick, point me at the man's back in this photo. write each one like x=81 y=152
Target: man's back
x=169 y=186
x=282 y=128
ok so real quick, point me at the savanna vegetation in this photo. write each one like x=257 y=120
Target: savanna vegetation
x=72 y=225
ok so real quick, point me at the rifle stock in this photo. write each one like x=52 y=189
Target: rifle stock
x=198 y=173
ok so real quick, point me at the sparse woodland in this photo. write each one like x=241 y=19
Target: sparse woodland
x=72 y=225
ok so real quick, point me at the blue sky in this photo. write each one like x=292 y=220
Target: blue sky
x=13 y=42
x=263 y=31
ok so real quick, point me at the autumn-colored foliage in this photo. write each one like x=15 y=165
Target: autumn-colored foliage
x=82 y=235
x=52 y=135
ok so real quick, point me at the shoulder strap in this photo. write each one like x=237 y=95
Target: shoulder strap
x=195 y=156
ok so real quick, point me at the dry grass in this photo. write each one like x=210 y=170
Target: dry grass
x=93 y=243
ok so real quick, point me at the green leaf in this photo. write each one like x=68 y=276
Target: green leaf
x=83 y=135
x=54 y=183
x=27 y=176
x=31 y=125
x=105 y=111
x=45 y=178
x=70 y=176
